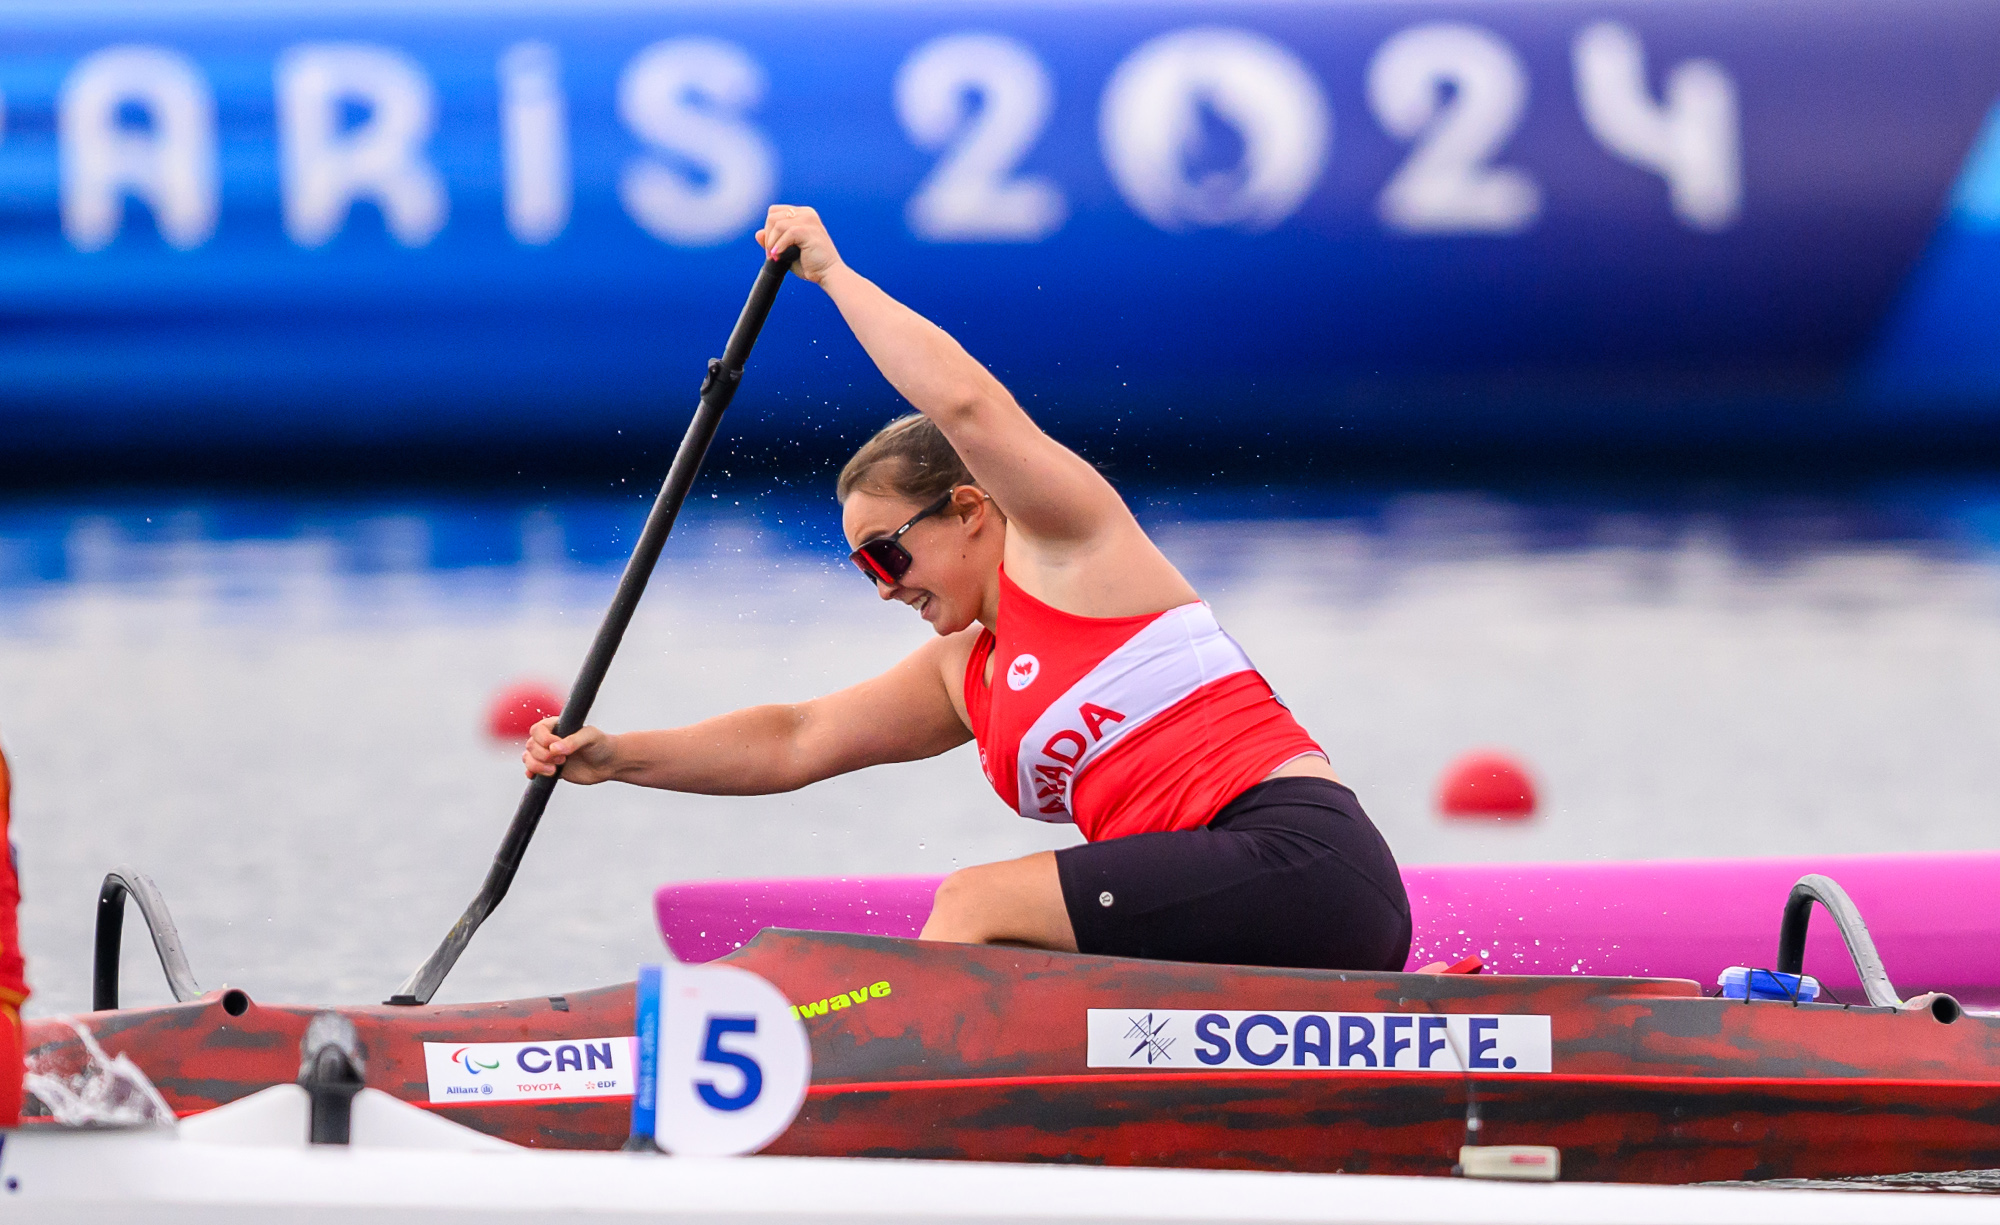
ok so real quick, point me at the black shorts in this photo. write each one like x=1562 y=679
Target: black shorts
x=1290 y=873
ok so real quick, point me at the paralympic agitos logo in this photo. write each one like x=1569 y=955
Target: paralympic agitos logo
x=472 y=1064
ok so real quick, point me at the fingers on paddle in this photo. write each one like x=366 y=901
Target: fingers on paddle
x=786 y=226
x=543 y=752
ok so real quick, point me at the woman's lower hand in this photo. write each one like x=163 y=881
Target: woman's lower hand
x=792 y=225
x=584 y=756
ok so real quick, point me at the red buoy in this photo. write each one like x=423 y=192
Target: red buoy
x=1491 y=785
x=517 y=708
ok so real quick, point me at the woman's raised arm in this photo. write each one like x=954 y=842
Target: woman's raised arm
x=1047 y=491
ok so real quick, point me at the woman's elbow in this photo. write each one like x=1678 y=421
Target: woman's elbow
x=796 y=756
x=968 y=402
x=787 y=780
x=956 y=408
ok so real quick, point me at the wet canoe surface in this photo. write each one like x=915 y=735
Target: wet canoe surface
x=979 y=1053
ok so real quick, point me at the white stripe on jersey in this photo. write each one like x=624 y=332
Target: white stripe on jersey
x=1182 y=650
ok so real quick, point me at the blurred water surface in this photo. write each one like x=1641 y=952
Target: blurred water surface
x=276 y=707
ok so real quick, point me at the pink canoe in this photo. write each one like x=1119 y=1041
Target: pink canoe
x=1933 y=916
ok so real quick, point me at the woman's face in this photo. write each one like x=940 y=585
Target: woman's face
x=954 y=554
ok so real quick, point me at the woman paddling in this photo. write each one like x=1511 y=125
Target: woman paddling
x=1098 y=685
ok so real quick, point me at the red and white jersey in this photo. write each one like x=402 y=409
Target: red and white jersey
x=1122 y=725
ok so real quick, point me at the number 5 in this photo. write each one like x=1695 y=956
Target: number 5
x=712 y=1052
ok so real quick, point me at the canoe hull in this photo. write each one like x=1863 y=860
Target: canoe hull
x=1609 y=1130
x=979 y=1053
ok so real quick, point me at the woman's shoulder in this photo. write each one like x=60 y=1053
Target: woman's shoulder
x=1125 y=576
x=951 y=653
x=952 y=657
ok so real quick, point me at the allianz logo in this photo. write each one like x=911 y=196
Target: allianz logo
x=848 y=999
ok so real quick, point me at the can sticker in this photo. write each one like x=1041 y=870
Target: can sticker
x=553 y=1069
x=1198 y=1040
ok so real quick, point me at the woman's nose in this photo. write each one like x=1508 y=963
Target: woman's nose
x=886 y=591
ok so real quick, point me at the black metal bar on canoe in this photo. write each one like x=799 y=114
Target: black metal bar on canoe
x=717 y=389
x=118 y=884
x=1853 y=932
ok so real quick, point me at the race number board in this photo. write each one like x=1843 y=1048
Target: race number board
x=723 y=1063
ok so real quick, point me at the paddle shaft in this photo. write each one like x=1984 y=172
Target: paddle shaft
x=724 y=373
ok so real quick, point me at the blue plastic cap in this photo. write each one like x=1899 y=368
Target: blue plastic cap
x=1744 y=983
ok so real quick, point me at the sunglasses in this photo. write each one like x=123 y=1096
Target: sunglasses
x=884 y=559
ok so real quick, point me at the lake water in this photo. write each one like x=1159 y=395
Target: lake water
x=276 y=708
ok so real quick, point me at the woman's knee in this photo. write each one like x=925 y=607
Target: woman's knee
x=1017 y=901
x=955 y=907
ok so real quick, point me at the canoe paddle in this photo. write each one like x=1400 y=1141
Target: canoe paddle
x=716 y=391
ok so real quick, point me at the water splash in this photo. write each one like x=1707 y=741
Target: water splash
x=108 y=1092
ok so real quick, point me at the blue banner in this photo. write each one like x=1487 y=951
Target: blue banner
x=287 y=225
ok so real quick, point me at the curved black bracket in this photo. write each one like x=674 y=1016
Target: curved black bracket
x=118 y=884
x=1853 y=931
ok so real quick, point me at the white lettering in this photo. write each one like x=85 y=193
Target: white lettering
x=1150 y=128
x=327 y=165
x=684 y=98
x=168 y=163
x=534 y=143
x=1689 y=138
x=983 y=100
x=1459 y=92
x=1179 y=652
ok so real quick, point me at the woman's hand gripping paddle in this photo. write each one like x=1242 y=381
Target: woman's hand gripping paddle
x=716 y=391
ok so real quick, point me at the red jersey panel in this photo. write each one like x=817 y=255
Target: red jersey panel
x=1122 y=725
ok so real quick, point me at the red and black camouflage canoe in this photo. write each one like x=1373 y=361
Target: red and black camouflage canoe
x=987 y=1053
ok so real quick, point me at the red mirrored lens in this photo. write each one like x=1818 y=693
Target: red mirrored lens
x=883 y=561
